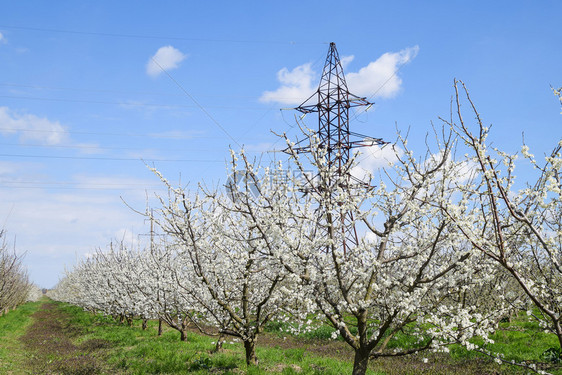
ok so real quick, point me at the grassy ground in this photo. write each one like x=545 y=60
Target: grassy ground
x=54 y=345
x=134 y=351
x=57 y=338
x=12 y=326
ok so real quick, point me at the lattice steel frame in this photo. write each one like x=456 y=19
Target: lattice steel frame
x=333 y=103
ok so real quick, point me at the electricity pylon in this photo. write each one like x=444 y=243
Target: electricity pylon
x=333 y=103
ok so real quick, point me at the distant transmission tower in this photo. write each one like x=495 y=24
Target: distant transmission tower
x=333 y=103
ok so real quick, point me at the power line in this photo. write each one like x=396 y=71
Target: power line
x=77 y=188
x=95 y=147
x=143 y=135
x=139 y=36
x=124 y=104
x=72 y=183
x=41 y=87
x=196 y=102
x=67 y=185
x=106 y=91
x=107 y=158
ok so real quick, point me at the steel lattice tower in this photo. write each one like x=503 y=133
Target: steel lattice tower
x=333 y=103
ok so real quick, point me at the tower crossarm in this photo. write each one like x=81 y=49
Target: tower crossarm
x=332 y=101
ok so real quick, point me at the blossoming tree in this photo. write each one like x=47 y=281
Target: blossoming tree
x=14 y=283
x=225 y=243
x=409 y=273
x=518 y=228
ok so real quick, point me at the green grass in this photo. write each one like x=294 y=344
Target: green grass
x=134 y=351
x=12 y=327
x=130 y=350
x=322 y=332
x=521 y=341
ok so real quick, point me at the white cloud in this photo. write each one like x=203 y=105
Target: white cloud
x=54 y=226
x=378 y=78
x=373 y=158
x=370 y=237
x=7 y=168
x=120 y=183
x=296 y=86
x=166 y=58
x=3 y=39
x=464 y=170
x=127 y=237
x=31 y=128
x=345 y=61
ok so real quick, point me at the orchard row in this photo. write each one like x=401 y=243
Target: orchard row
x=438 y=251
x=15 y=287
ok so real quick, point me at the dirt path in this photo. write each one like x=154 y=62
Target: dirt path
x=56 y=345
x=50 y=342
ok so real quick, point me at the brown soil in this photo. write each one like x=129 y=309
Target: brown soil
x=437 y=363
x=49 y=340
x=52 y=341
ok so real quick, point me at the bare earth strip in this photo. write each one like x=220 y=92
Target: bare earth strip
x=49 y=342
x=52 y=345
x=12 y=353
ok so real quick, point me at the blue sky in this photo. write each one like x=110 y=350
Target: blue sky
x=81 y=105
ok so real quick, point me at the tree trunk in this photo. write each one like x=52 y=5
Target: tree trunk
x=250 y=348
x=218 y=345
x=144 y=324
x=183 y=334
x=360 y=362
x=183 y=330
x=160 y=327
x=558 y=328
